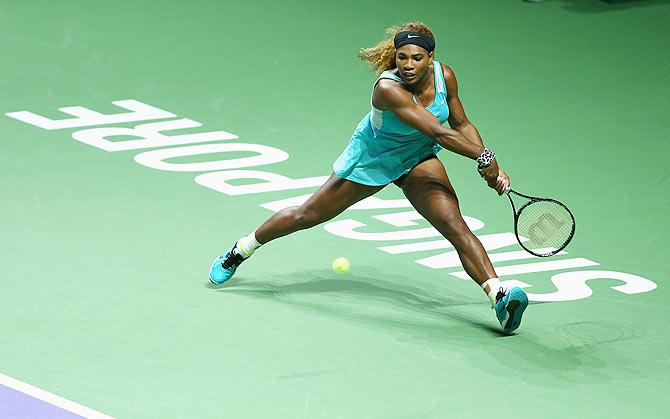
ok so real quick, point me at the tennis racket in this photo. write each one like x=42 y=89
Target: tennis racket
x=542 y=226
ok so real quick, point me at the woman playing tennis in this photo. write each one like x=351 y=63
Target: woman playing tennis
x=397 y=142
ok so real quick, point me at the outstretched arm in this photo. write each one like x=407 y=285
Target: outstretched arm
x=457 y=119
x=460 y=122
x=388 y=95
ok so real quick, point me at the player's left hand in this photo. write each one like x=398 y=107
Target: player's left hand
x=502 y=183
x=490 y=173
x=496 y=178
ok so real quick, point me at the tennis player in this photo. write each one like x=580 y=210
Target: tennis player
x=397 y=142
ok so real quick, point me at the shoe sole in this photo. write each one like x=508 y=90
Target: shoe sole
x=515 y=309
x=217 y=283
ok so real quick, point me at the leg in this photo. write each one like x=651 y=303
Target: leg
x=428 y=189
x=331 y=199
x=334 y=196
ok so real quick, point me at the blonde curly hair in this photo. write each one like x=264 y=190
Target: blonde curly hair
x=381 y=57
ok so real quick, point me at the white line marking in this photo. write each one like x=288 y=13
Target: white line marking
x=525 y=268
x=50 y=398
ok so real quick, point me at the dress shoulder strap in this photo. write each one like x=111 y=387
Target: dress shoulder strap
x=439 y=77
x=387 y=75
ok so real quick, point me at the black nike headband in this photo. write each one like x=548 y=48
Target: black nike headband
x=415 y=38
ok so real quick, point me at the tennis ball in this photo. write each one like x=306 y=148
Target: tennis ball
x=341 y=265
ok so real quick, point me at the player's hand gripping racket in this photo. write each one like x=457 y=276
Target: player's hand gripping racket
x=542 y=226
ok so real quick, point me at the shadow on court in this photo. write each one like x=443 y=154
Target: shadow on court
x=388 y=302
x=586 y=348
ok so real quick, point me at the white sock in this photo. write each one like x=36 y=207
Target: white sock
x=493 y=285
x=247 y=245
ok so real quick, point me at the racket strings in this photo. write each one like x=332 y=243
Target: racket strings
x=545 y=226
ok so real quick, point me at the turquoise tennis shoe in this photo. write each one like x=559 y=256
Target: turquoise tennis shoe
x=224 y=266
x=510 y=306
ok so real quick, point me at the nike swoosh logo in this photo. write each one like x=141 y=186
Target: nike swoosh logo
x=413 y=36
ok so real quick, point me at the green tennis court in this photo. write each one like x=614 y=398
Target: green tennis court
x=140 y=139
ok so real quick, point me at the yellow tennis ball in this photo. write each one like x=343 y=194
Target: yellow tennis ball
x=341 y=265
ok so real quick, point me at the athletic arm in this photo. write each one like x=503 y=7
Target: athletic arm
x=388 y=95
x=460 y=122
x=457 y=118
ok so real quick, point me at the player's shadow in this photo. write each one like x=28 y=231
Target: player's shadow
x=575 y=348
x=586 y=348
x=348 y=293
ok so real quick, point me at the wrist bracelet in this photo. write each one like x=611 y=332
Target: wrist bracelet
x=485 y=159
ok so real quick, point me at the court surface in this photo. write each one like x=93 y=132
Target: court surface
x=107 y=240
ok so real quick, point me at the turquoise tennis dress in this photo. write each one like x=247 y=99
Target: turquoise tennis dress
x=383 y=148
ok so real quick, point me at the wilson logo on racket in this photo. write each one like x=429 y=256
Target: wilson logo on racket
x=542 y=230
